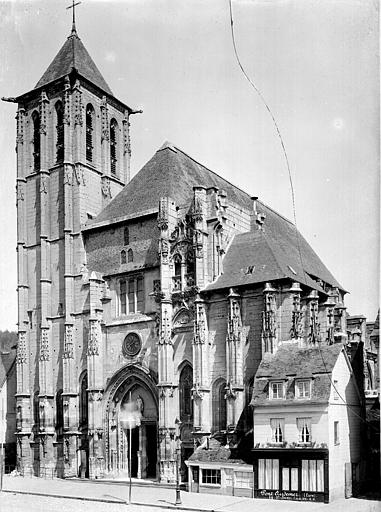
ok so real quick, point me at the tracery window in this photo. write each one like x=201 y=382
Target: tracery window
x=60 y=148
x=89 y=132
x=83 y=402
x=36 y=140
x=219 y=405
x=186 y=383
x=113 y=146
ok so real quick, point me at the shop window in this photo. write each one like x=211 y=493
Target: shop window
x=304 y=429
x=276 y=390
x=313 y=475
x=219 y=405
x=290 y=479
x=59 y=132
x=131 y=295
x=336 y=433
x=123 y=257
x=243 y=479
x=303 y=389
x=211 y=476
x=36 y=140
x=277 y=430
x=268 y=474
x=186 y=383
x=90 y=114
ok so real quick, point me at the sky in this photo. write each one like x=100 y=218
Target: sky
x=316 y=62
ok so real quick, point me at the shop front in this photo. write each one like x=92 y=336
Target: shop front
x=298 y=474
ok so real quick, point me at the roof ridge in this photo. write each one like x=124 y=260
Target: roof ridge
x=210 y=170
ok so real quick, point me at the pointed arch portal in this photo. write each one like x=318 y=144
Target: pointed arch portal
x=133 y=383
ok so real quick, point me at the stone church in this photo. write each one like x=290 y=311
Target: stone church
x=164 y=290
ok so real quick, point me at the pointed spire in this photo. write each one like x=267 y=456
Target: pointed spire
x=73 y=27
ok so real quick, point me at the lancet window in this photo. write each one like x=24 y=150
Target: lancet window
x=90 y=114
x=36 y=141
x=113 y=146
x=60 y=147
x=186 y=404
x=219 y=405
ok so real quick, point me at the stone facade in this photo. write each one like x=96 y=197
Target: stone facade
x=160 y=294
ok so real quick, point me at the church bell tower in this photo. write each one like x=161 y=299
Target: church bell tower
x=73 y=156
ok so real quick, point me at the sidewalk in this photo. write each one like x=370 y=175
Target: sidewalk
x=156 y=497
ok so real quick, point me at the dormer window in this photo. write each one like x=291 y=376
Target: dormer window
x=303 y=389
x=277 y=390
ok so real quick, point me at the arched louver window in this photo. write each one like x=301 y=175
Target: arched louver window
x=89 y=132
x=186 y=383
x=130 y=256
x=113 y=146
x=36 y=140
x=59 y=132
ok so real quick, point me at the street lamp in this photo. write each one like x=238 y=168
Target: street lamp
x=178 y=460
x=129 y=419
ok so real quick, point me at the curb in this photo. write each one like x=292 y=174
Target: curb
x=115 y=501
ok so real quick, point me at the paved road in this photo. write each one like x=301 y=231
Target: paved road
x=38 y=495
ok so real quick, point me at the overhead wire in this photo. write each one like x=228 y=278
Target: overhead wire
x=261 y=96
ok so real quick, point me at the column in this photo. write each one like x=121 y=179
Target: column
x=201 y=378
x=234 y=360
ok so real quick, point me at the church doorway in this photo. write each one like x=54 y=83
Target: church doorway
x=136 y=392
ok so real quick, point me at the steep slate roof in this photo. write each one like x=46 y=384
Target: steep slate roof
x=173 y=173
x=291 y=362
x=170 y=172
x=272 y=253
x=73 y=55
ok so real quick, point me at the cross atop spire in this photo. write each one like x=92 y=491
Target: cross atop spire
x=74 y=3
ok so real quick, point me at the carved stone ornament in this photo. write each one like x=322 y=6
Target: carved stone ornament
x=43 y=112
x=44 y=345
x=297 y=318
x=106 y=187
x=165 y=331
x=183 y=317
x=105 y=131
x=79 y=174
x=20 y=125
x=314 y=327
x=21 y=348
x=95 y=396
x=162 y=218
x=330 y=325
x=164 y=250
x=44 y=184
x=197 y=392
x=94 y=338
x=78 y=107
x=66 y=118
x=197 y=211
x=230 y=394
x=198 y=237
x=234 y=321
x=126 y=136
x=19 y=191
x=68 y=175
x=269 y=321
x=68 y=352
x=200 y=325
